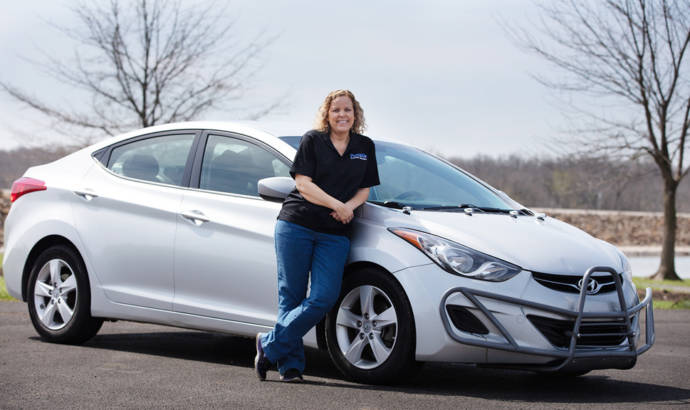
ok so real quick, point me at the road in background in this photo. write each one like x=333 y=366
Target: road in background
x=647 y=265
x=139 y=366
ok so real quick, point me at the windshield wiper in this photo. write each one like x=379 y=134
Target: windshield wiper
x=527 y=212
x=390 y=204
x=467 y=206
x=446 y=208
x=495 y=210
x=452 y=207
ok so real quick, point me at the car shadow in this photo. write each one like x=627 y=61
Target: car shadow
x=438 y=379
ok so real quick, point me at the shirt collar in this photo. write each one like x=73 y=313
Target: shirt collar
x=354 y=139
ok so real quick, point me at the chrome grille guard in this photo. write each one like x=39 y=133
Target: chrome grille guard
x=629 y=350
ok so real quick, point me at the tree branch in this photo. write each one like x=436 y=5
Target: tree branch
x=142 y=62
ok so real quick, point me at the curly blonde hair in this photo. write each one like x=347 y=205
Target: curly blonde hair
x=321 y=123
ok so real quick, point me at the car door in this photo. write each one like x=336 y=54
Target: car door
x=127 y=216
x=225 y=263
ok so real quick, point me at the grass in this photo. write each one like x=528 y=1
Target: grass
x=3 y=289
x=661 y=284
x=678 y=289
x=669 y=304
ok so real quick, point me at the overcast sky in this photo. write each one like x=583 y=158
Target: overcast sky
x=442 y=75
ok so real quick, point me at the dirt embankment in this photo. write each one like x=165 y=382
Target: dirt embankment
x=624 y=228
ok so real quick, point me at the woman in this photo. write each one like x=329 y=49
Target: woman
x=334 y=167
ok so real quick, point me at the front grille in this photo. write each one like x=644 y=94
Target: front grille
x=465 y=320
x=592 y=332
x=570 y=283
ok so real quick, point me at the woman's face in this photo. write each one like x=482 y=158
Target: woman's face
x=341 y=114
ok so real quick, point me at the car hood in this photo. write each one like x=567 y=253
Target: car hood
x=548 y=246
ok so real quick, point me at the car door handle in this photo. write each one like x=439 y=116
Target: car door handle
x=86 y=194
x=195 y=217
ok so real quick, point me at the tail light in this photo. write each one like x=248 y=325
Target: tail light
x=24 y=185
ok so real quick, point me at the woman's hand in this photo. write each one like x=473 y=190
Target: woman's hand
x=354 y=202
x=343 y=213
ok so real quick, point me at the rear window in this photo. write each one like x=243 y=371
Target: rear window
x=158 y=159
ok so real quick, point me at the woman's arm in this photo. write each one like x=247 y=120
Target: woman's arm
x=357 y=200
x=312 y=193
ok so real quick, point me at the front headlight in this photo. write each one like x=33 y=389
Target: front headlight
x=458 y=259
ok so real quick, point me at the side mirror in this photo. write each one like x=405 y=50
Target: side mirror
x=276 y=189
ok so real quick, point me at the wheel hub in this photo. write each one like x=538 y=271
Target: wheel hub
x=55 y=292
x=366 y=327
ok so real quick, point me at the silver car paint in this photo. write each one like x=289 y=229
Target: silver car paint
x=134 y=262
x=225 y=267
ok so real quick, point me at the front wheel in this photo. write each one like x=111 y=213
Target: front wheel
x=370 y=330
x=59 y=297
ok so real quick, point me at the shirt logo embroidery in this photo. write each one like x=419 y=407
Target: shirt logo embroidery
x=363 y=157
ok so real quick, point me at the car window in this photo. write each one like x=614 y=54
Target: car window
x=414 y=178
x=157 y=159
x=417 y=179
x=292 y=140
x=235 y=166
x=407 y=181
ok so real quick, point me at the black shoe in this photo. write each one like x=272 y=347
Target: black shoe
x=291 y=375
x=261 y=363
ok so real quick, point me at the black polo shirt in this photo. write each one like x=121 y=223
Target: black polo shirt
x=340 y=176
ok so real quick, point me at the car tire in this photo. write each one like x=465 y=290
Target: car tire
x=369 y=342
x=59 y=297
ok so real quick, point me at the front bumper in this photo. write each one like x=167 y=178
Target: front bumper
x=577 y=355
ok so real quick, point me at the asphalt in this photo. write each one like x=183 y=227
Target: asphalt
x=134 y=365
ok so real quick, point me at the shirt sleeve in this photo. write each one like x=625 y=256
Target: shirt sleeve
x=305 y=160
x=371 y=175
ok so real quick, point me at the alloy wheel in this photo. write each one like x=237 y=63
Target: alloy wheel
x=366 y=327
x=55 y=294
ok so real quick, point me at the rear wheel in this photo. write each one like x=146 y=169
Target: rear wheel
x=59 y=298
x=370 y=331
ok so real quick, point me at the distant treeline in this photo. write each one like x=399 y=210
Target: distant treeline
x=564 y=182
x=13 y=163
x=577 y=182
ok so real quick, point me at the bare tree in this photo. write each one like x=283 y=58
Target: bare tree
x=630 y=54
x=148 y=62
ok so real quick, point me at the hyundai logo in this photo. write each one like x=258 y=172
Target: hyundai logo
x=592 y=287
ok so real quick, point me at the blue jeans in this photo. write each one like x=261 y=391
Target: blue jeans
x=300 y=250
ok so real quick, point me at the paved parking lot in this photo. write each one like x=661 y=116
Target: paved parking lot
x=139 y=365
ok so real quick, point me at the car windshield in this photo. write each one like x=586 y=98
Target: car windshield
x=411 y=177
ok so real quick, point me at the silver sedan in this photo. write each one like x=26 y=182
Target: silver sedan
x=174 y=225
